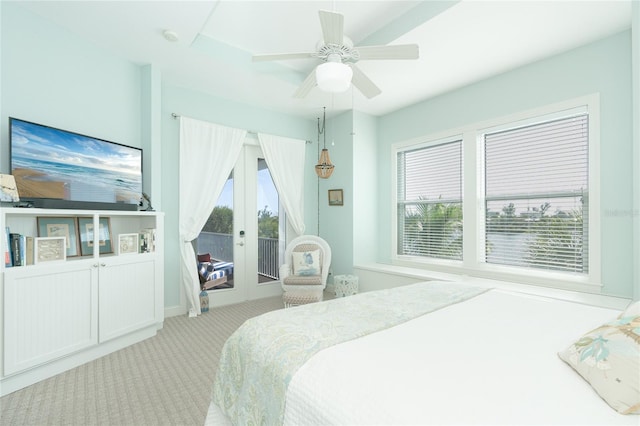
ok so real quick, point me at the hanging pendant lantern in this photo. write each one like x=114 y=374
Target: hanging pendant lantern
x=324 y=168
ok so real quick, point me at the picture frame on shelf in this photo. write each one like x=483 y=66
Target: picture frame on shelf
x=49 y=249
x=335 y=197
x=127 y=244
x=8 y=189
x=60 y=226
x=85 y=226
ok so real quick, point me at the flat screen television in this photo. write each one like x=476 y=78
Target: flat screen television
x=74 y=170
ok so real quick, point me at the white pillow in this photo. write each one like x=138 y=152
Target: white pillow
x=306 y=263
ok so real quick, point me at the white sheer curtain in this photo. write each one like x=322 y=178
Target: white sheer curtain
x=285 y=159
x=208 y=153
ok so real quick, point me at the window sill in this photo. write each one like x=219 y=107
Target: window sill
x=580 y=294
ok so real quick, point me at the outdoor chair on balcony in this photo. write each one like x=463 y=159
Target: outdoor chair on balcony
x=305 y=271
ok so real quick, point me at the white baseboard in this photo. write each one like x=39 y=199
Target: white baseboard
x=174 y=311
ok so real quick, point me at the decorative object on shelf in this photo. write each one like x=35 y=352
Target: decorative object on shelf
x=85 y=224
x=147 y=240
x=335 y=197
x=8 y=189
x=345 y=285
x=204 y=301
x=60 y=227
x=50 y=249
x=146 y=198
x=127 y=243
x=324 y=168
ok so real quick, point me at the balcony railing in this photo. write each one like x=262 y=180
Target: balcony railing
x=221 y=247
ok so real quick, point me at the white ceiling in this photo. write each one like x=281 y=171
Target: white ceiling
x=460 y=42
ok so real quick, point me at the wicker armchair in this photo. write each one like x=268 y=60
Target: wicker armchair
x=305 y=271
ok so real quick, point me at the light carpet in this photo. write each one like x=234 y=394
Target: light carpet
x=164 y=380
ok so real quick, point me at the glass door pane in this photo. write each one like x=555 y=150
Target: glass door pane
x=216 y=239
x=268 y=225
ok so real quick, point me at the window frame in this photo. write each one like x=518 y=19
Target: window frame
x=426 y=145
x=473 y=262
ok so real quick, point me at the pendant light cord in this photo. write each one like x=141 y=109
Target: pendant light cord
x=318 y=177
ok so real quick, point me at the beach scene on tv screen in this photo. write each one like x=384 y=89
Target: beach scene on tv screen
x=52 y=163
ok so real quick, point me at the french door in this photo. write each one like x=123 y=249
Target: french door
x=248 y=221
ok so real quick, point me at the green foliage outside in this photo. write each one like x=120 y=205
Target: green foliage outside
x=556 y=239
x=558 y=243
x=267 y=224
x=434 y=230
x=221 y=222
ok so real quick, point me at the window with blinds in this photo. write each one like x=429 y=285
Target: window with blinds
x=429 y=196
x=537 y=195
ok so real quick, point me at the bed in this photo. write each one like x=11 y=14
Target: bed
x=432 y=353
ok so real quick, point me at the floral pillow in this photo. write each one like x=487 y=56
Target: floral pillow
x=306 y=263
x=608 y=358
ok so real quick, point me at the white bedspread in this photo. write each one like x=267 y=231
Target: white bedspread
x=260 y=358
x=489 y=360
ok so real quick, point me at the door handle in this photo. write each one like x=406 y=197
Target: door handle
x=241 y=243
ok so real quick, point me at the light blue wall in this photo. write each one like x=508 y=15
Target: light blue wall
x=52 y=77
x=227 y=113
x=336 y=222
x=603 y=67
x=365 y=190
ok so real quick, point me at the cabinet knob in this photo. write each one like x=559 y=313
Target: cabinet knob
x=95 y=265
x=103 y=264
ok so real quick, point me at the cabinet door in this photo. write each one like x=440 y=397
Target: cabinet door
x=127 y=295
x=49 y=312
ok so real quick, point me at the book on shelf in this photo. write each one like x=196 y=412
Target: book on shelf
x=19 y=249
x=16 y=251
x=147 y=240
x=29 y=250
x=8 y=261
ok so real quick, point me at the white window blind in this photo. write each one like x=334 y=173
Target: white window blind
x=536 y=195
x=429 y=198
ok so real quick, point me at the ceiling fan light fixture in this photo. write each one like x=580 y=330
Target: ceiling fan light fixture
x=333 y=77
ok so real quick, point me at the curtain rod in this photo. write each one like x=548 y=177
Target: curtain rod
x=251 y=132
x=176 y=116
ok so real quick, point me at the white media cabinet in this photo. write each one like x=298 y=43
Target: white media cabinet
x=57 y=315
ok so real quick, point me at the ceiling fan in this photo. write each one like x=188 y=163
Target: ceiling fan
x=338 y=54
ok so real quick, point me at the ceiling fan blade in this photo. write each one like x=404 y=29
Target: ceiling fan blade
x=364 y=83
x=332 y=27
x=399 y=51
x=282 y=56
x=306 y=86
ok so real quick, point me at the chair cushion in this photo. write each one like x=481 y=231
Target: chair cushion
x=306 y=263
x=303 y=280
x=294 y=298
